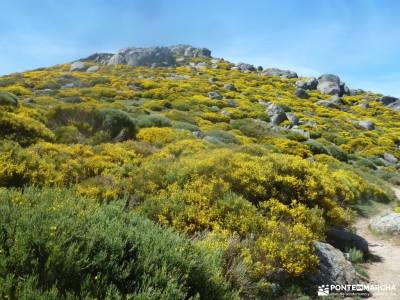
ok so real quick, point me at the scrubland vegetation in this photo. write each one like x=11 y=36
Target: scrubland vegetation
x=127 y=183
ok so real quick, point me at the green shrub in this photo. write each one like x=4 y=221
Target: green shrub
x=67 y=134
x=58 y=246
x=221 y=136
x=185 y=126
x=356 y=256
x=153 y=120
x=8 y=99
x=336 y=152
x=251 y=128
x=316 y=147
x=115 y=122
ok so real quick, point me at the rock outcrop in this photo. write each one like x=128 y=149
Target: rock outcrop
x=330 y=84
x=389 y=224
x=334 y=268
x=279 y=72
x=150 y=56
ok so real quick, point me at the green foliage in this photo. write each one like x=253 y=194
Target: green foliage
x=153 y=120
x=356 y=256
x=116 y=122
x=56 y=245
x=8 y=99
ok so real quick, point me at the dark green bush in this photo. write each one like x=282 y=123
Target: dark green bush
x=316 y=147
x=116 y=122
x=54 y=245
x=8 y=99
x=336 y=152
x=251 y=127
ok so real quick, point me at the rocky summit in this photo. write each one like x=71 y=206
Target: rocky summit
x=167 y=173
x=150 y=57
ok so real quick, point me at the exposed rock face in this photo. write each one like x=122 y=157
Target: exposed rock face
x=334 y=268
x=189 y=51
x=279 y=72
x=245 y=67
x=150 y=57
x=93 y=69
x=157 y=56
x=101 y=58
x=390 y=158
x=77 y=66
x=330 y=84
x=386 y=100
x=309 y=84
x=301 y=93
x=344 y=239
x=276 y=114
x=386 y=224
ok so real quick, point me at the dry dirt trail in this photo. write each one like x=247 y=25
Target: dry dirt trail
x=387 y=269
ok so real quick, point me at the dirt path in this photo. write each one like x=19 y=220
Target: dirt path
x=387 y=269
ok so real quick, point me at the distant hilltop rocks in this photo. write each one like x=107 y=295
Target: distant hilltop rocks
x=182 y=55
x=150 y=57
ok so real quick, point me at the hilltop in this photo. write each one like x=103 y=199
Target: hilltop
x=165 y=172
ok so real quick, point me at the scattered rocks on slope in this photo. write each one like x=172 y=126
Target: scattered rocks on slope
x=389 y=224
x=77 y=66
x=369 y=125
x=333 y=268
x=214 y=95
x=279 y=72
x=301 y=93
x=344 y=239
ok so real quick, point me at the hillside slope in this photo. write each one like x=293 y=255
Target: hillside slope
x=251 y=165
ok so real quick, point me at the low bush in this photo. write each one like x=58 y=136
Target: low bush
x=58 y=246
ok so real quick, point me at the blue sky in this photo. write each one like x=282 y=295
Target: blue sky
x=357 y=39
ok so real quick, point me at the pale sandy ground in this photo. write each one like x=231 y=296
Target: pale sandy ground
x=387 y=270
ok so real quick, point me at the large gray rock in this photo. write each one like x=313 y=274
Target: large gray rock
x=368 y=125
x=243 y=67
x=301 y=93
x=101 y=58
x=395 y=105
x=389 y=224
x=93 y=69
x=386 y=100
x=279 y=72
x=344 y=240
x=333 y=268
x=330 y=84
x=308 y=84
x=292 y=118
x=276 y=113
x=78 y=66
x=152 y=56
x=155 y=56
x=390 y=158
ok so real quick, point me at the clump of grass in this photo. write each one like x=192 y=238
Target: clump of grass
x=355 y=256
